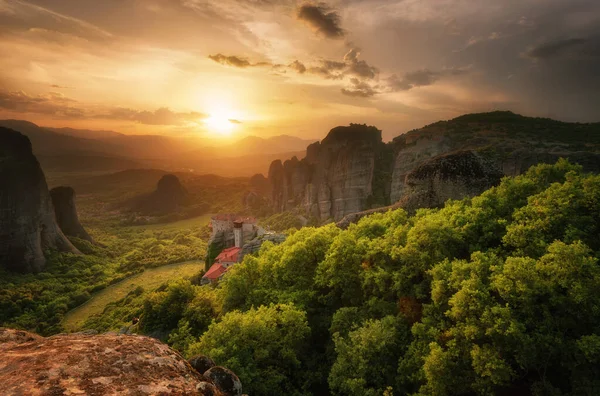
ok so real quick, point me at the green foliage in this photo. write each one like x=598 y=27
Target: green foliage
x=38 y=302
x=262 y=346
x=281 y=222
x=367 y=358
x=213 y=250
x=499 y=292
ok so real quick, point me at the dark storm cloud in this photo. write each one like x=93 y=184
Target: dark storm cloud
x=555 y=48
x=322 y=19
x=57 y=105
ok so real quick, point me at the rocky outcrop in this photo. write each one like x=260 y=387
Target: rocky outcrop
x=27 y=222
x=508 y=142
x=355 y=217
x=169 y=197
x=108 y=364
x=334 y=179
x=202 y=363
x=254 y=245
x=451 y=176
x=63 y=200
x=259 y=184
x=225 y=380
x=351 y=171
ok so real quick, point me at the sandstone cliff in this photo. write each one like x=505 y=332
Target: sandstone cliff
x=352 y=171
x=63 y=200
x=336 y=176
x=108 y=364
x=27 y=222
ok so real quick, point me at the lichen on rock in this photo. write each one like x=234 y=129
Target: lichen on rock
x=108 y=364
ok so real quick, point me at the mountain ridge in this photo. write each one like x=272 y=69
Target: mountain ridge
x=337 y=178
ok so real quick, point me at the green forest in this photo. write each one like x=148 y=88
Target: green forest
x=491 y=295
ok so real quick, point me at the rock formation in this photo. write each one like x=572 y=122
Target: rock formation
x=352 y=171
x=108 y=364
x=27 y=222
x=202 y=363
x=450 y=176
x=334 y=179
x=225 y=380
x=254 y=245
x=63 y=200
x=168 y=197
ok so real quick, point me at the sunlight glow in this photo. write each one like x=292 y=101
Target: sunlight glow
x=221 y=122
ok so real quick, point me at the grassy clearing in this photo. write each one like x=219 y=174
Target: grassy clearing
x=187 y=223
x=149 y=279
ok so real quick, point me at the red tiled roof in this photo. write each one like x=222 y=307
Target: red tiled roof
x=229 y=255
x=215 y=271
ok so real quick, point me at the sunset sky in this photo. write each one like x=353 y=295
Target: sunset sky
x=267 y=67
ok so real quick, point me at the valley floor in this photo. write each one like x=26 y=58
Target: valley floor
x=149 y=279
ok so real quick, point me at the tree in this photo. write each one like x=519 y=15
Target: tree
x=367 y=358
x=263 y=346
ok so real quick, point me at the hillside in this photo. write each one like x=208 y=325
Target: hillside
x=469 y=299
x=352 y=170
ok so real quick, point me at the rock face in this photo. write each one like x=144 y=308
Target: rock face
x=334 y=179
x=202 y=363
x=225 y=380
x=352 y=171
x=451 y=176
x=63 y=200
x=27 y=222
x=254 y=245
x=106 y=364
x=168 y=197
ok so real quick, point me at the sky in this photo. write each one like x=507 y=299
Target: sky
x=217 y=68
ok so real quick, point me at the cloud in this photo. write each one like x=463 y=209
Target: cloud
x=351 y=66
x=235 y=121
x=20 y=15
x=298 y=67
x=162 y=116
x=52 y=103
x=242 y=63
x=58 y=105
x=480 y=39
x=555 y=48
x=422 y=78
x=360 y=89
x=359 y=68
x=230 y=60
x=322 y=19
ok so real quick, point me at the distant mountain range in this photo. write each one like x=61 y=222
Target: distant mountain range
x=68 y=149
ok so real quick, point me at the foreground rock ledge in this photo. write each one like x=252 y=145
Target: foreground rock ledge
x=108 y=364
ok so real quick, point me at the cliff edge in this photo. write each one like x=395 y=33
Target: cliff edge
x=27 y=222
x=108 y=364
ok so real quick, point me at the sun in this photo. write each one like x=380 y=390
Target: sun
x=221 y=122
